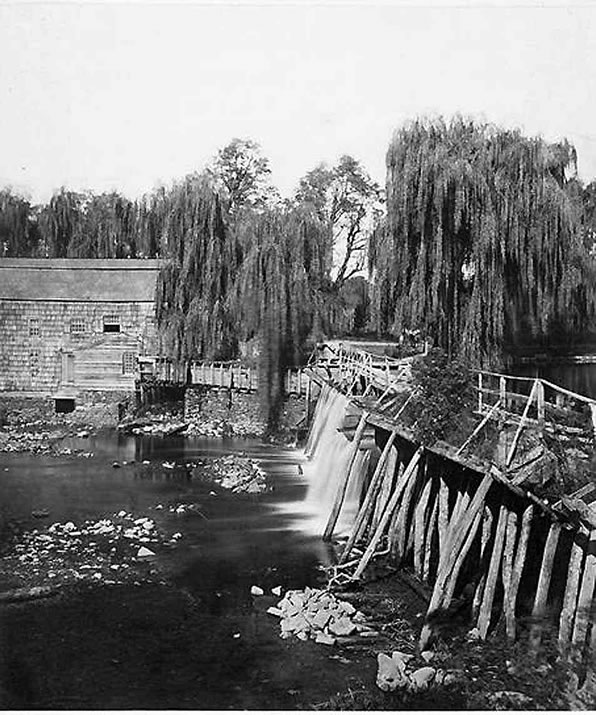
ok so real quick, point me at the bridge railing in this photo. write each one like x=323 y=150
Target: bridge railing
x=534 y=400
x=234 y=375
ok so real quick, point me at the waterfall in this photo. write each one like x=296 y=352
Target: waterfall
x=329 y=452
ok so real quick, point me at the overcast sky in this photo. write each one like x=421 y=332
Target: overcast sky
x=125 y=96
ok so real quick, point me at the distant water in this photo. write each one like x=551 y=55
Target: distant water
x=578 y=378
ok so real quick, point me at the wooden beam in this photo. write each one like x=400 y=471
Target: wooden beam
x=586 y=593
x=484 y=617
x=341 y=491
x=389 y=509
x=544 y=579
x=485 y=419
x=521 y=424
x=518 y=566
x=419 y=528
x=507 y=575
x=368 y=504
x=448 y=555
x=570 y=598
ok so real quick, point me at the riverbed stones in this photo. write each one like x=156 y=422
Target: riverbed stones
x=318 y=614
x=91 y=550
x=421 y=679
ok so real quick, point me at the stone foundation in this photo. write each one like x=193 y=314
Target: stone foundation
x=93 y=409
x=215 y=411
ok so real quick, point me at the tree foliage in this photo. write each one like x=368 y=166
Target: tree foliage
x=195 y=283
x=480 y=246
x=241 y=174
x=348 y=199
x=278 y=292
x=18 y=229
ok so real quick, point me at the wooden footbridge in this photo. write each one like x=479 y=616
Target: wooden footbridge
x=466 y=527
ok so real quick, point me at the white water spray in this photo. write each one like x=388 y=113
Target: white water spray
x=329 y=455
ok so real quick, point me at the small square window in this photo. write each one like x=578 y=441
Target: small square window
x=77 y=326
x=34 y=327
x=129 y=363
x=111 y=324
x=34 y=362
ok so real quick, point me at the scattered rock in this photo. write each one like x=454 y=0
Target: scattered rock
x=422 y=679
x=316 y=612
x=276 y=591
x=116 y=465
x=144 y=552
x=256 y=591
x=324 y=639
x=427 y=656
x=389 y=675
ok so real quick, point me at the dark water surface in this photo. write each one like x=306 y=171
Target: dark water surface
x=578 y=378
x=202 y=641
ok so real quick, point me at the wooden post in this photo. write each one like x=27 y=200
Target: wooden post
x=570 y=598
x=448 y=555
x=389 y=509
x=392 y=476
x=540 y=404
x=546 y=571
x=368 y=504
x=480 y=396
x=491 y=578
x=521 y=423
x=341 y=492
x=398 y=531
x=369 y=501
x=452 y=580
x=428 y=541
x=586 y=593
x=487 y=527
x=508 y=555
x=443 y=513
x=517 y=571
x=480 y=425
x=503 y=391
x=419 y=528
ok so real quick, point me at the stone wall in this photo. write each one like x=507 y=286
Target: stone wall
x=93 y=409
x=224 y=411
x=34 y=335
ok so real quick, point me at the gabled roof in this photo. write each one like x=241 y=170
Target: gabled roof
x=78 y=279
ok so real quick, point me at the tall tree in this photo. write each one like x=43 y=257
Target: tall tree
x=18 y=232
x=60 y=222
x=242 y=173
x=278 y=291
x=351 y=202
x=481 y=238
x=107 y=228
x=195 y=283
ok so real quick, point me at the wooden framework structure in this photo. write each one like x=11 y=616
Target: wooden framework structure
x=463 y=526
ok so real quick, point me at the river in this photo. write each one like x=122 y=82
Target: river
x=201 y=641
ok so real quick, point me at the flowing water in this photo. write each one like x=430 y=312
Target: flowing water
x=269 y=540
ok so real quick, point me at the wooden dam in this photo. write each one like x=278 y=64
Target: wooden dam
x=462 y=525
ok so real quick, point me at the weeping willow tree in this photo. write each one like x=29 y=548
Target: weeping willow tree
x=194 y=289
x=278 y=294
x=480 y=246
x=18 y=231
x=60 y=222
x=105 y=229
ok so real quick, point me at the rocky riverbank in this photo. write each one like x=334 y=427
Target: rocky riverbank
x=111 y=550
